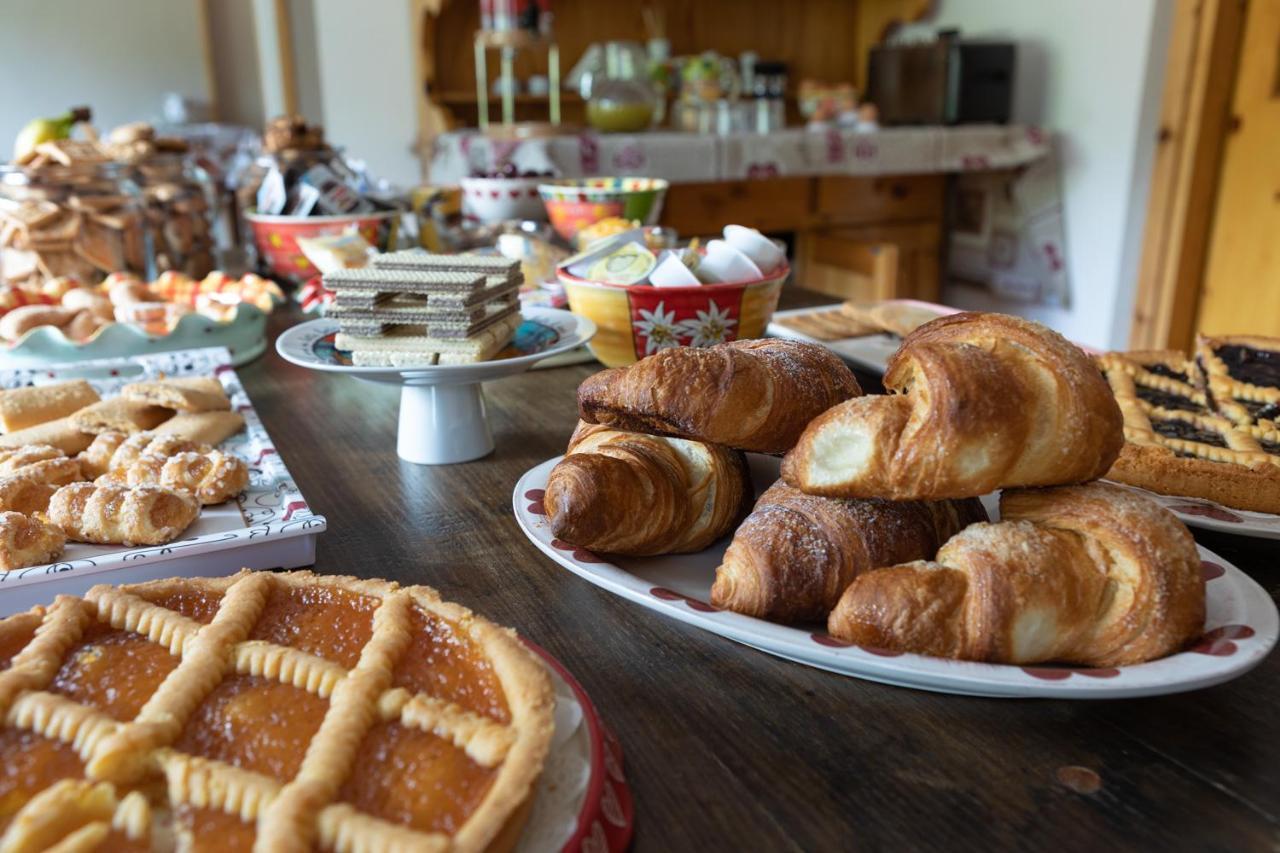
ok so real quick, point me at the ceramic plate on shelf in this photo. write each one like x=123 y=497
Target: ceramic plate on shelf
x=1241 y=625
x=1207 y=515
x=269 y=526
x=545 y=332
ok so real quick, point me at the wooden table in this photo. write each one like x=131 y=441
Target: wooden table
x=728 y=748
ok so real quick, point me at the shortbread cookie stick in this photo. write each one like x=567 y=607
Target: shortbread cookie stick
x=28 y=541
x=188 y=394
x=213 y=477
x=62 y=434
x=27 y=407
x=210 y=428
x=122 y=515
x=119 y=415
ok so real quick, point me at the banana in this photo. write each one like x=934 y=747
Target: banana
x=42 y=130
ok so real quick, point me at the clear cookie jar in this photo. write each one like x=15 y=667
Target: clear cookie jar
x=178 y=204
x=83 y=221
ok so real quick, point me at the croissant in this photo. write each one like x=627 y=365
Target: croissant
x=113 y=450
x=120 y=515
x=628 y=493
x=749 y=395
x=983 y=401
x=1094 y=575
x=796 y=553
x=213 y=477
x=26 y=541
x=40 y=462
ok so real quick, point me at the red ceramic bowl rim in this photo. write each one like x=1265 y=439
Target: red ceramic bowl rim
x=595 y=782
x=778 y=275
x=277 y=219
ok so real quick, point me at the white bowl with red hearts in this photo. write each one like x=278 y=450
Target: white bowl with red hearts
x=493 y=200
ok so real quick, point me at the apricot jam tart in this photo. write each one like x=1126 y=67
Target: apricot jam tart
x=266 y=711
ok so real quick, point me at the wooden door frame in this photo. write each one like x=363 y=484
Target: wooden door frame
x=1195 y=117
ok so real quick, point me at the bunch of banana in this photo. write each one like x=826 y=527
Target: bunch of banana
x=46 y=129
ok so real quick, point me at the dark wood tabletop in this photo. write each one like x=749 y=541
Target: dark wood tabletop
x=729 y=748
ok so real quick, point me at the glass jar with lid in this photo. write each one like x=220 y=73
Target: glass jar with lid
x=177 y=202
x=81 y=221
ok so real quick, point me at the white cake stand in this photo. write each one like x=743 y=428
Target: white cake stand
x=442 y=411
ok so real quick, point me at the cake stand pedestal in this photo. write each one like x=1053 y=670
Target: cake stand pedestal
x=442 y=412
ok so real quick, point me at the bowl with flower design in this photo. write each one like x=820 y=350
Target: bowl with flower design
x=637 y=320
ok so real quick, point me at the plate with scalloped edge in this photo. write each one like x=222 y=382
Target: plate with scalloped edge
x=1241 y=624
x=1208 y=515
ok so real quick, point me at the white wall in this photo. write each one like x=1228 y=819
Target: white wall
x=119 y=57
x=365 y=54
x=1091 y=71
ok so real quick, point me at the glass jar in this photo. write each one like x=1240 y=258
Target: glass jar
x=83 y=221
x=177 y=201
x=623 y=99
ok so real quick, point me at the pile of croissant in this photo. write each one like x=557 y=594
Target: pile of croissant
x=875 y=527
x=130 y=470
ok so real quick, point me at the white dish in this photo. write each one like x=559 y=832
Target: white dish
x=1241 y=625
x=442 y=411
x=723 y=263
x=760 y=249
x=1208 y=515
x=671 y=272
x=270 y=526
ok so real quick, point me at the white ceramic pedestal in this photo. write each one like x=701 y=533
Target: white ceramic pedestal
x=442 y=412
x=441 y=424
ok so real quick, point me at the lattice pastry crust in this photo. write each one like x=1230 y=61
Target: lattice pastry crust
x=1176 y=444
x=1252 y=402
x=150 y=770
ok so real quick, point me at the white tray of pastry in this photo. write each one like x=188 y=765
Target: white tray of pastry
x=269 y=525
x=1241 y=623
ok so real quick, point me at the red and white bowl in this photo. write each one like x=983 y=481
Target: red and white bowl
x=502 y=199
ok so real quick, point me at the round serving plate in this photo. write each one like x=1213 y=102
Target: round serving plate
x=442 y=411
x=582 y=801
x=1241 y=622
x=1208 y=515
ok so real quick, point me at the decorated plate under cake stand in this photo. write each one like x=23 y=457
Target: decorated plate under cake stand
x=1208 y=515
x=442 y=411
x=1241 y=623
x=582 y=802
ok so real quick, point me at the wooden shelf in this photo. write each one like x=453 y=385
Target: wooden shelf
x=463 y=98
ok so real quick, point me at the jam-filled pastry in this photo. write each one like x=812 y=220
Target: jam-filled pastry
x=122 y=515
x=213 y=477
x=114 y=450
x=27 y=541
x=24 y=494
x=120 y=415
x=41 y=462
x=186 y=394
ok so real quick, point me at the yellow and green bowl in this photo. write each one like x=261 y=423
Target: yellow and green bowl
x=573 y=204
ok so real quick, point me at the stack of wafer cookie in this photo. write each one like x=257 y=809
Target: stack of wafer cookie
x=414 y=308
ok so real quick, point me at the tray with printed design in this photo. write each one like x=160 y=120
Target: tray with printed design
x=270 y=525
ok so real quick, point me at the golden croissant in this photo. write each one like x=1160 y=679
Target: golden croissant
x=1095 y=575
x=122 y=515
x=629 y=493
x=213 y=476
x=112 y=450
x=795 y=554
x=749 y=395
x=981 y=402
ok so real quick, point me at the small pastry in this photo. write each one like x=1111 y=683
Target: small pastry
x=210 y=428
x=122 y=515
x=41 y=462
x=114 y=450
x=27 y=541
x=25 y=407
x=22 y=493
x=193 y=394
x=213 y=477
x=19 y=321
x=62 y=434
x=119 y=415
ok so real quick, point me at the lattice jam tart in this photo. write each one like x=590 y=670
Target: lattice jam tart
x=268 y=711
x=1243 y=378
x=1176 y=443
